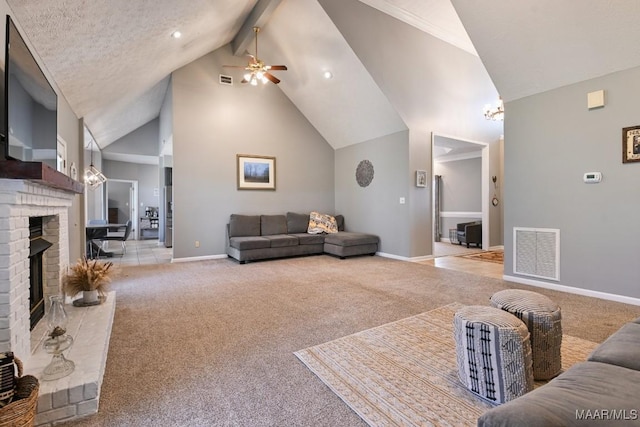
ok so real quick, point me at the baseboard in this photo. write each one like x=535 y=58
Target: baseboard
x=199 y=258
x=578 y=291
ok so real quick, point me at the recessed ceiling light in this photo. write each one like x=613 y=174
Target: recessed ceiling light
x=327 y=75
x=176 y=34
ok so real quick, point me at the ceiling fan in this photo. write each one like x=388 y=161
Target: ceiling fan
x=257 y=70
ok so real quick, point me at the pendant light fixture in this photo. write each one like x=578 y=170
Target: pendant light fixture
x=494 y=113
x=92 y=176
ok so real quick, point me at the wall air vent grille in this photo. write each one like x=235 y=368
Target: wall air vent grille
x=536 y=252
x=226 y=80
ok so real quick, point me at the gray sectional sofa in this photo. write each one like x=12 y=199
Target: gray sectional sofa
x=601 y=391
x=258 y=237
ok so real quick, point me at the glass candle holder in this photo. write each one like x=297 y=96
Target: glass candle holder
x=58 y=341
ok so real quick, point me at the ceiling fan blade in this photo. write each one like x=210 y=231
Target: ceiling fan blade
x=277 y=67
x=244 y=81
x=271 y=77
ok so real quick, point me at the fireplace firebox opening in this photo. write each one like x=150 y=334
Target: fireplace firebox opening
x=37 y=246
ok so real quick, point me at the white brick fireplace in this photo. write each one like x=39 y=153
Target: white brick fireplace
x=20 y=200
x=27 y=190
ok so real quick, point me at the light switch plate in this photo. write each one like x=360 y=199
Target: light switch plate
x=402 y=200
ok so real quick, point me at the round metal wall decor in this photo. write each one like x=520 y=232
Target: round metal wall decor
x=364 y=173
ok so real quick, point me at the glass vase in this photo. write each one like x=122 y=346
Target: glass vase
x=57 y=341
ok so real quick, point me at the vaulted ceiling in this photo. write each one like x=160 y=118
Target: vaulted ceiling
x=111 y=58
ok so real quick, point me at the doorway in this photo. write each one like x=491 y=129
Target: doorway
x=122 y=202
x=460 y=175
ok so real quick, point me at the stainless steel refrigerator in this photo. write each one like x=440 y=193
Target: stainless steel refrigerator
x=168 y=223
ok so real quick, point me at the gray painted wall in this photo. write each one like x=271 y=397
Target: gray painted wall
x=212 y=123
x=461 y=190
x=441 y=91
x=551 y=140
x=146 y=175
x=143 y=140
x=118 y=198
x=70 y=129
x=376 y=208
x=460 y=185
x=165 y=143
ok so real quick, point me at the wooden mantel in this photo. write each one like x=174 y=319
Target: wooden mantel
x=41 y=173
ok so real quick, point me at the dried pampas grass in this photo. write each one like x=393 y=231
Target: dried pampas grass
x=87 y=275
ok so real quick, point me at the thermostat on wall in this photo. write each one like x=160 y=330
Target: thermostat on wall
x=592 y=177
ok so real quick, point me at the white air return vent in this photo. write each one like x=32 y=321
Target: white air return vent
x=226 y=80
x=536 y=252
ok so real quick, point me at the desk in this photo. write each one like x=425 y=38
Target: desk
x=95 y=232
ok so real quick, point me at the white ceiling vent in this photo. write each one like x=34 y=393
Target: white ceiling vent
x=536 y=252
x=226 y=80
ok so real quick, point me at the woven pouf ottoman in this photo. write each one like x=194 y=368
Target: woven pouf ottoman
x=493 y=352
x=543 y=319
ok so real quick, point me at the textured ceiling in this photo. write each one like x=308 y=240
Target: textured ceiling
x=111 y=58
x=532 y=46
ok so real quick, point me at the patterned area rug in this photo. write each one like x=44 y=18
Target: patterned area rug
x=404 y=373
x=490 y=256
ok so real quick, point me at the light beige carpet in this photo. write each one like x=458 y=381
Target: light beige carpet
x=404 y=373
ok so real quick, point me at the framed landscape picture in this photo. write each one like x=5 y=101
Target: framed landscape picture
x=256 y=172
x=631 y=144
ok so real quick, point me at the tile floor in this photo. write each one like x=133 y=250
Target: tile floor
x=140 y=252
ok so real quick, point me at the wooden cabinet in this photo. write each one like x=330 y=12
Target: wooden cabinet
x=112 y=216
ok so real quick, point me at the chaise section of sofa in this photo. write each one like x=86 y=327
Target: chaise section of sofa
x=258 y=237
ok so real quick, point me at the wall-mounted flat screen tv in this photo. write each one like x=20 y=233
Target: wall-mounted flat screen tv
x=30 y=105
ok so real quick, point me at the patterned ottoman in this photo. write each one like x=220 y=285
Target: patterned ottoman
x=543 y=319
x=493 y=353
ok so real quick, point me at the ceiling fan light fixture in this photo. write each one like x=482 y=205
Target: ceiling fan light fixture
x=257 y=70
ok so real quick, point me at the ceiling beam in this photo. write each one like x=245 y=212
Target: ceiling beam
x=258 y=17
